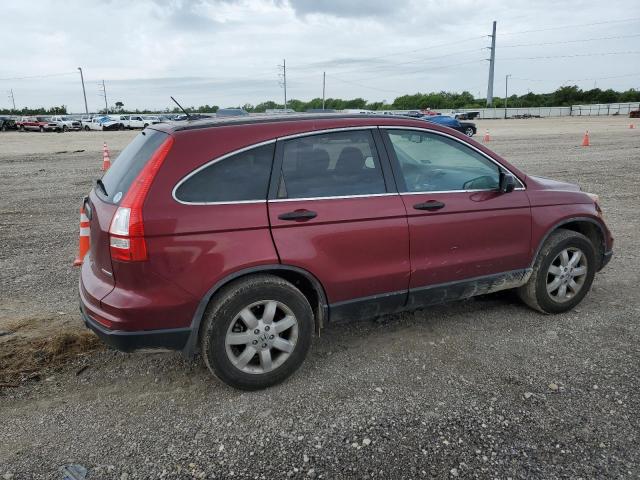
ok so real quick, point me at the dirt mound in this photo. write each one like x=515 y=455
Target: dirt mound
x=26 y=358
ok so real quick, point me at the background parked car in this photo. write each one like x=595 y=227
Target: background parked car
x=468 y=128
x=634 y=114
x=465 y=115
x=231 y=112
x=135 y=121
x=64 y=123
x=123 y=119
x=7 y=123
x=84 y=121
x=151 y=120
x=103 y=123
x=35 y=124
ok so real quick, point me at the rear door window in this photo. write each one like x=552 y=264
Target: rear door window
x=129 y=163
x=238 y=178
x=331 y=165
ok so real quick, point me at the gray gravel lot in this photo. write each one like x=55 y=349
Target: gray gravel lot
x=484 y=388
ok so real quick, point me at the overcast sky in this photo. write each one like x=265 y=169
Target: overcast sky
x=226 y=52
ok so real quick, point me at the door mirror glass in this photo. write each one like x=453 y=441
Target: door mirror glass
x=507 y=182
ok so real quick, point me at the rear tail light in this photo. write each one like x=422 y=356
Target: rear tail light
x=126 y=233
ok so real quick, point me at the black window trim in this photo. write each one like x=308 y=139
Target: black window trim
x=211 y=162
x=395 y=165
x=385 y=168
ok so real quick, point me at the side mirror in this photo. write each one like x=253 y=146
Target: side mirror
x=507 y=182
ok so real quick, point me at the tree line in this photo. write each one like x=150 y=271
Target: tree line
x=562 y=97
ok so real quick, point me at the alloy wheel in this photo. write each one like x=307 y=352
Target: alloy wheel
x=567 y=274
x=261 y=337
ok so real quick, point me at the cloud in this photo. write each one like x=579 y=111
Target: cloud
x=226 y=52
x=350 y=8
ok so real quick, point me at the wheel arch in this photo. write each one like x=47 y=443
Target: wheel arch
x=305 y=281
x=589 y=227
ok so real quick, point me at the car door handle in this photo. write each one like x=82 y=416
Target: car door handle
x=430 y=205
x=298 y=215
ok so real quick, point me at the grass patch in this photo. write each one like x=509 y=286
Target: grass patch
x=23 y=359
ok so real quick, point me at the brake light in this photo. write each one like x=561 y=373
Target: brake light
x=126 y=233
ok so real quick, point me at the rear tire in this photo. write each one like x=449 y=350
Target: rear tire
x=41 y=129
x=469 y=132
x=562 y=273
x=86 y=128
x=256 y=332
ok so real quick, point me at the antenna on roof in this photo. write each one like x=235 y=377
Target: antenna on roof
x=180 y=106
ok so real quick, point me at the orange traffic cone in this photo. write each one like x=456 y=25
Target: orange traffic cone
x=83 y=244
x=487 y=137
x=585 y=139
x=632 y=126
x=106 y=161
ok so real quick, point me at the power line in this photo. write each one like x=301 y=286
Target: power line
x=632 y=52
x=306 y=66
x=577 y=79
x=398 y=64
x=561 y=27
x=46 y=75
x=569 y=41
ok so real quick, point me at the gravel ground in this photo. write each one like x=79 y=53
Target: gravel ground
x=483 y=388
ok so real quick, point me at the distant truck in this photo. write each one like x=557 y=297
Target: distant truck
x=35 y=124
x=103 y=123
x=64 y=124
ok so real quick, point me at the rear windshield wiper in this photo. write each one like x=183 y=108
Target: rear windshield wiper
x=102 y=187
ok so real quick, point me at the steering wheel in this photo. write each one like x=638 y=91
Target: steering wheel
x=483 y=182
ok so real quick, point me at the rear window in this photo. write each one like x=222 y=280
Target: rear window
x=129 y=163
x=239 y=178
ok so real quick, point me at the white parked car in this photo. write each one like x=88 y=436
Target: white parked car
x=137 y=121
x=151 y=120
x=103 y=123
x=63 y=123
x=123 y=119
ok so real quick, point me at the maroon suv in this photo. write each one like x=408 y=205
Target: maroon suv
x=240 y=238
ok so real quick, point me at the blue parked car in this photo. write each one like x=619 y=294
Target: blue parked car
x=468 y=128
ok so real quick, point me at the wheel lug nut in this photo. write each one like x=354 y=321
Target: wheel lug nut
x=264 y=345
x=256 y=331
x=271 y=337
x=267 y=328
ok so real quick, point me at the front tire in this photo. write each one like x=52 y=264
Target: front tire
x=86 y=128
x=469 y=132
x=562 y=273
x=256 y=332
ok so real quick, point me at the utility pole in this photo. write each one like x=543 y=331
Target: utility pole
x=283 y=82
x=506 y=93
x=324 y=78
x=104 y=94
x=492 y=62
x=13 y=100
x=84 y=92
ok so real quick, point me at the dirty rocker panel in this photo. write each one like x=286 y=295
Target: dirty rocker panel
x=369 y=307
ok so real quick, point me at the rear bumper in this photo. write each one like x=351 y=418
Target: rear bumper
x=174 y=339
